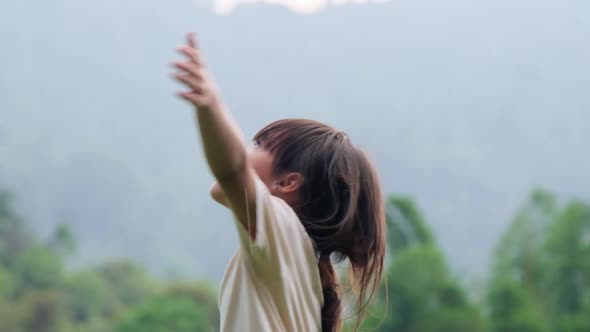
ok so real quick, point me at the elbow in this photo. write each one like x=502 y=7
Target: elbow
x=218 y=195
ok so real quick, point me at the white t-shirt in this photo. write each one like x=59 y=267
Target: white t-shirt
x=273 y=283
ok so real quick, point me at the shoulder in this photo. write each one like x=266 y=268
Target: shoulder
x=288 y=220
x=295 y=241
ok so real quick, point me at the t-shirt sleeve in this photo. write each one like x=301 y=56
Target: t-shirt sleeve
x=280 y=238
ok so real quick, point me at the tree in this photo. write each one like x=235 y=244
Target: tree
x=62 y=241
x=89 y=299
x=515 y=290
x=425 y=297
x=42 y=311
x=405 y=223
x=14 y=236
x=38 y=268
x=127 y=280
x=180 y=309
x=566 y=280
x=519 y=253
x=7 y=283
x=512 y=310
x=421 y=293
x=541 y=276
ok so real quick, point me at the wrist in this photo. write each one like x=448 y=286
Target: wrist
x=214 y=104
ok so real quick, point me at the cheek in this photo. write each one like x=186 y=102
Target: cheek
x=263 y=173
x=262 y=164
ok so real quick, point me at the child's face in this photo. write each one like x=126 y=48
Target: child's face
x=261 y=161
x=286 y=186
x=258 y=159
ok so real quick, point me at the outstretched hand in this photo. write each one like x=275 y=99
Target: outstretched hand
x=192 y=74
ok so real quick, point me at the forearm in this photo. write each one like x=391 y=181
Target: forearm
x=226 y=154
x=222 y=141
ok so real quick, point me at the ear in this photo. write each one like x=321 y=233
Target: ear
x=288 y=183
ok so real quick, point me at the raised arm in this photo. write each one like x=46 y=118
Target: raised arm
x=222 y=140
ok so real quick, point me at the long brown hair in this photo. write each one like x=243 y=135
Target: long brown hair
x=340 y=206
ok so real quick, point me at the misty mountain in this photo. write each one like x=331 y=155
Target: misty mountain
x=465 y=106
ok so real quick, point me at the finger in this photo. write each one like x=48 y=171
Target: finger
x=186 y=94
x=191 y=40
x=189 y=68
x=192 y=97
x=191 y=53
x=191 y=82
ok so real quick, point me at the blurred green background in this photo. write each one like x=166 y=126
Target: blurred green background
x=539 y=281
x=466 y=106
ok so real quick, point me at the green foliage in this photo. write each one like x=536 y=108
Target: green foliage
x=567 y=270
x=127 y=280
x=89 y=298
x=518 y=251
x=38 y=294
x=539 y=281
x=38 y=268
x=512 y=310
x=406 y=226
x=541 y=277
x=42 y=311
x=201 y=293
x=62 y=240
x=179 y=310
x=422 y=295
x=573 y=323
x=14 y=237
x=7 y=283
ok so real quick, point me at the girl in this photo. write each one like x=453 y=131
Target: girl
x=302 y=196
